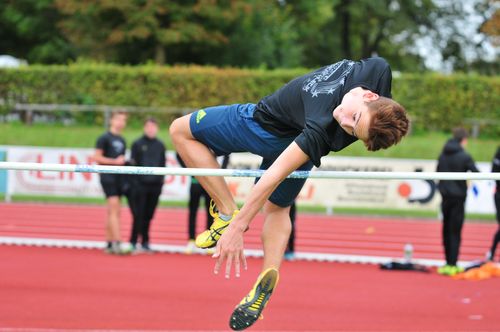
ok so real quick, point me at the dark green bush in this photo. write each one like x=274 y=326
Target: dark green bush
x=439 y=102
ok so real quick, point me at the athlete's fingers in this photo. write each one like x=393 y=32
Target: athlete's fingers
x=217 y=251
x=243 y=259
x=237 y=265
x=229 y=262
x=219 y=260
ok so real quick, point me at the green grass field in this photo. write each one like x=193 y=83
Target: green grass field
x=415 y=146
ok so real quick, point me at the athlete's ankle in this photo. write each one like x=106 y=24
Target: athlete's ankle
x=225 y=217
x=264 y=269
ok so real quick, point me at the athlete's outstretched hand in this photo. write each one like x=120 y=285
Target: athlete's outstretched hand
x=230 y=249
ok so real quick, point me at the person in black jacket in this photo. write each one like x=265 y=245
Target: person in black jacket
x=290 y=247
x=453 y=158
x=496 y=168
x=145 y=190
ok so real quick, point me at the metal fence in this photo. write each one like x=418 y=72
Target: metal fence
x=107 y=110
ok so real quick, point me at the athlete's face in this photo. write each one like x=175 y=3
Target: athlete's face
x=353 y=115
x=150 y=129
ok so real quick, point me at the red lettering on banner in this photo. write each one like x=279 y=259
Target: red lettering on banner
x=169 y=179
x=39 y=174
x=308 y=193
x=61 y=174
x=86 y=176
x=233 y=188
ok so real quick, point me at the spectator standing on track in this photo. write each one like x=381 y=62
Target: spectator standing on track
x=196 y=192
x=453 y=158
x=496 y=168
x=290 y=248
x=110 y=150
x=146 y=189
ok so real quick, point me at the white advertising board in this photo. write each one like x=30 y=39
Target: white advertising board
x=404 y=194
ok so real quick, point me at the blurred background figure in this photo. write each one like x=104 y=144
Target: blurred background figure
x=290 y=248
x=496 y=168
x=196 y=193
x=145 y=190
x=110 y=150
x=453 y=158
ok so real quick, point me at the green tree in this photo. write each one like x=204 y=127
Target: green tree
x=137 y=30
x=28 y=30
x=262 y=34
x=362 y=28
x=310 y=18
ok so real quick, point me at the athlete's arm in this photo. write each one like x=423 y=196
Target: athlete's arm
x=230 y=245
x=292 y=158
x=101 y=160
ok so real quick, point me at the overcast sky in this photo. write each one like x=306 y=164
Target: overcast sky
x=469 y=27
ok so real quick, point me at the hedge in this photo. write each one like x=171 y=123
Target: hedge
x=436 y=102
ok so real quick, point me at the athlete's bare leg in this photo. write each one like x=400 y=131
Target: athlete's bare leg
x=113 y=222
x=275 y=234
x=197 y=155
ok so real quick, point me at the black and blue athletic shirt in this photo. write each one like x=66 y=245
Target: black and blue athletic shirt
x=303 y=107
x=112 y=146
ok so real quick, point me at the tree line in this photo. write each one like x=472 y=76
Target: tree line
x=249 y=33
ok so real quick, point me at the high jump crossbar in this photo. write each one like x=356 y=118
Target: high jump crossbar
x=134 y=170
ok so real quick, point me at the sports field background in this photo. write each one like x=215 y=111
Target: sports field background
x=426 y=145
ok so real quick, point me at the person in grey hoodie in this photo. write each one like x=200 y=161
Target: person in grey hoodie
x=453 y=158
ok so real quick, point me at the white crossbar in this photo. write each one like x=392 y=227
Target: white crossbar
x=315 y=174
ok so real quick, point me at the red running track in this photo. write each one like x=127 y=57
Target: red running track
x=368 y=236
x=48 y=289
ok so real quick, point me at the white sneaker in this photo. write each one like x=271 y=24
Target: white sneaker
x=190 y=247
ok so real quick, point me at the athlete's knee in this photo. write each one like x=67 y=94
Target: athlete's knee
x=270 y=207
x=175 y=129
x=179 y=128
x=114 y=203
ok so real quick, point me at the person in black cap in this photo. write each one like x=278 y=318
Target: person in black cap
x=453 y=158
x=145 y=190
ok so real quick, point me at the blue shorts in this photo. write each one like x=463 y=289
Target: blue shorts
x=231 y=128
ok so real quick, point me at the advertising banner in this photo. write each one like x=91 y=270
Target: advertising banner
x=3 y=174
x=74 y=184
x=401 y=194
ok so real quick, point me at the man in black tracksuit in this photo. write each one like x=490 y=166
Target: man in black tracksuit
x=146 y=189
x=496 y=239
x=453 y=158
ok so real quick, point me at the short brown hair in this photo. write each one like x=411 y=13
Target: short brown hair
x=118 y=111
x=151 y=119
x=460 y=134
x=388 y=124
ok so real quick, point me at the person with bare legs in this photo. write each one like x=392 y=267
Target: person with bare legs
x=316 y=113
x=110 y=150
